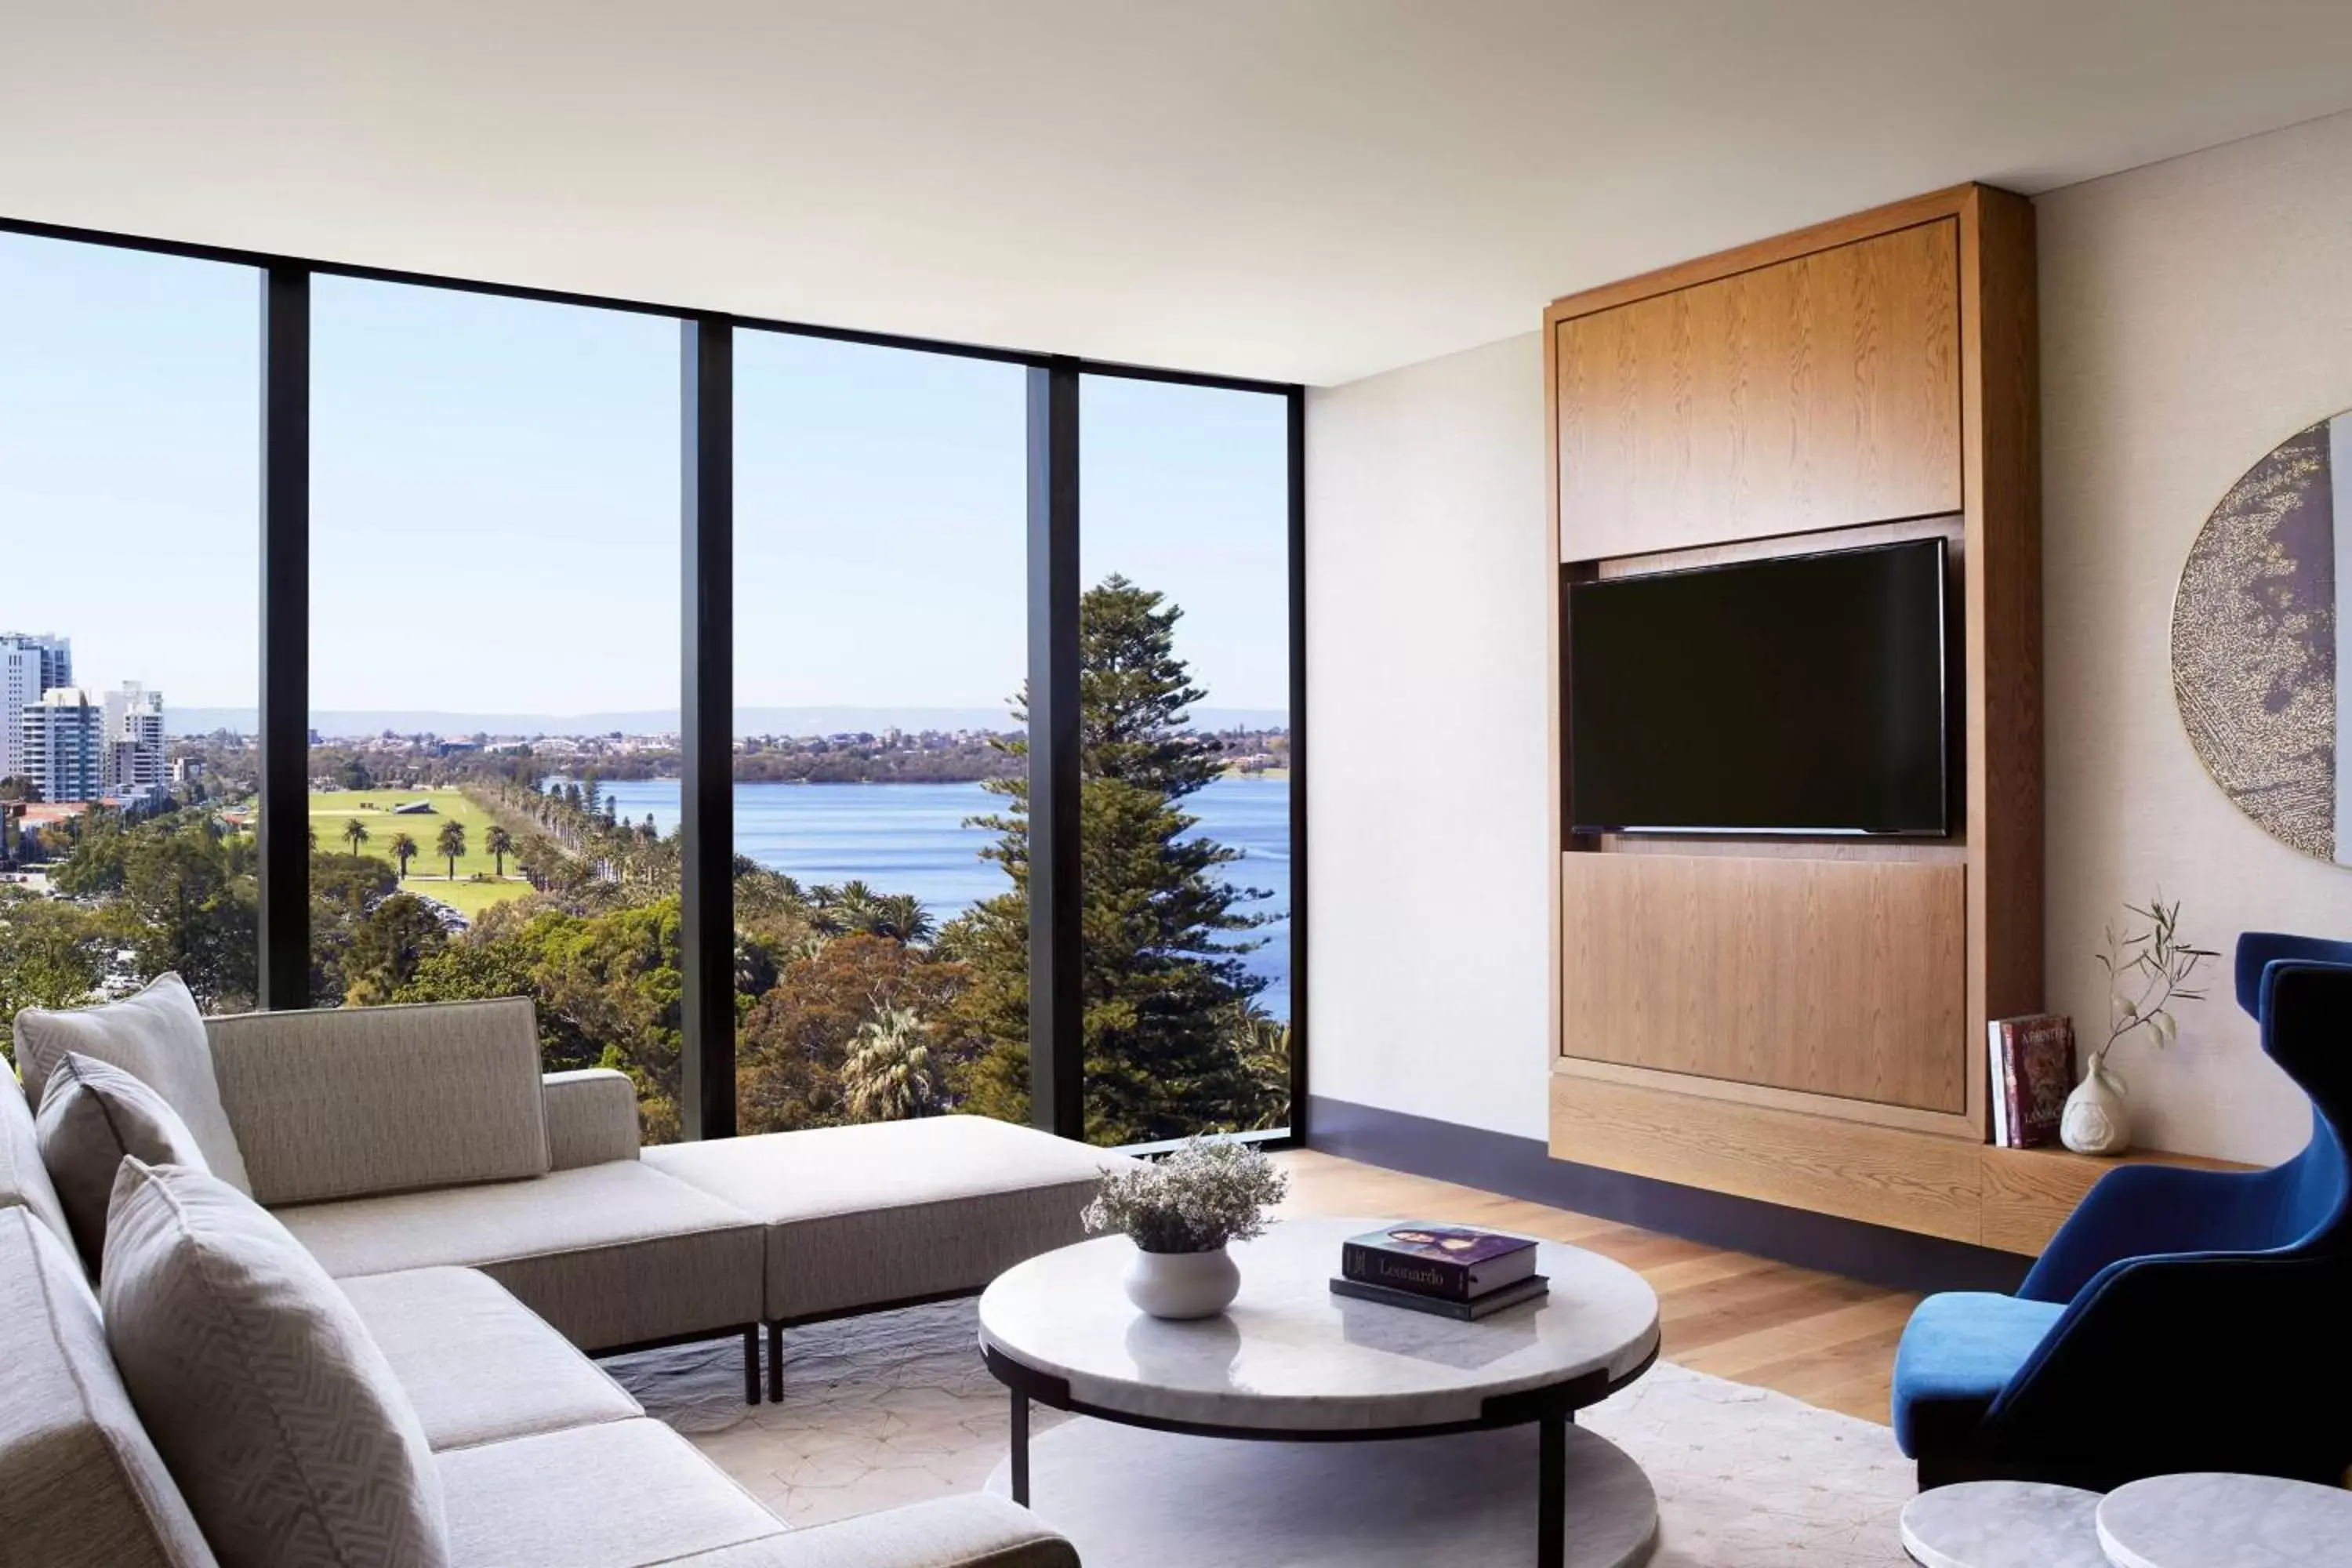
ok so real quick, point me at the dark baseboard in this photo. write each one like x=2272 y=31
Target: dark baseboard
x=1523 y=1168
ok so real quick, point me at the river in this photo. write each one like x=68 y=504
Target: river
x=912 y=838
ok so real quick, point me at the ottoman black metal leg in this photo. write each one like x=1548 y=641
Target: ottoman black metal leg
x=775 y=1363
x=1551 y=1492
x=1021 y=1448
x=751 y=1363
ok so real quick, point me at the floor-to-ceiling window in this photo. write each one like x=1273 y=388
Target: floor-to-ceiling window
x=493 y=664
x=128 y=662
x=465 y=505
x=879 y=639
x=1185 y=690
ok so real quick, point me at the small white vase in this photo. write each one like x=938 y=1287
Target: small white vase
x=1182 y=1283
x=2098 y=1118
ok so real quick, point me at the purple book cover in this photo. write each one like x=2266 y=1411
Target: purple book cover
x=1450 y=1260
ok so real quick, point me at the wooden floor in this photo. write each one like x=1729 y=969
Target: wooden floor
x=1819 y=1338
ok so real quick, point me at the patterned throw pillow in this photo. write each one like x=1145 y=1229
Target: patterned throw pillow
x=91 y=1116
x=273 y=1409
x=158 y=1037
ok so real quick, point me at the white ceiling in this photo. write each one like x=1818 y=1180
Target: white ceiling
x=1299 y=189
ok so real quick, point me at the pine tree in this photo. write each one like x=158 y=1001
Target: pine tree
x=1162 y=975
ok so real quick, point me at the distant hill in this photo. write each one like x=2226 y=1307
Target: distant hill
x=748 y=720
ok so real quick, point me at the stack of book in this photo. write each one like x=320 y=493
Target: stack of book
x=1448 y=1269
x=2032 y=1072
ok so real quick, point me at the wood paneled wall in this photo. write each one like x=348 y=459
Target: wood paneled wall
x=1827 y=388
x=1685 y=964
x=1819 y=392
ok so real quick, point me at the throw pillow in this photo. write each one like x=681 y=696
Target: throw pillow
x=156 y=1037
x=275 y=1411
x=91 y=1116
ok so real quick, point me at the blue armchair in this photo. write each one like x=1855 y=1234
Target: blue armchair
x=2181 y=1319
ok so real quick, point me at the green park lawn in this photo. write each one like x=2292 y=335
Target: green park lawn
x=427 y=873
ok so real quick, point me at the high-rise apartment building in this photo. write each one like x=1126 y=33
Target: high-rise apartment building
x=62 y=740
x=134 y=740
x=30 y=666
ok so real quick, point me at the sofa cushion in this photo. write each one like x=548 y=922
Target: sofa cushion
x=891 y=1211
x=23 y=1178
x=156 y=1037
x=92 y=1116
x=280 y=1418
x=973 y=1531
x=592 y=1117
x=620 y=1495
x=81 y=1485
x=610 y=1254
x=477 y=1365
x=1959 y=1351
x=336 y=1103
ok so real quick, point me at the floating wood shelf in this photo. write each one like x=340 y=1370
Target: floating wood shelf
x=2009 y=1199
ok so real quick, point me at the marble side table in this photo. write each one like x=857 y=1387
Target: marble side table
x=1289 y=1363
x=2226 y=1521
x=2003 y=1524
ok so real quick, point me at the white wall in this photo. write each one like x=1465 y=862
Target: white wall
x=2193 y=314
x=1425 y=608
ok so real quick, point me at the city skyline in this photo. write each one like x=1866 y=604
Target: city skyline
x=68 y=744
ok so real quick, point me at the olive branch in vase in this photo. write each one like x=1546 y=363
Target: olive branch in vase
x=2147 y=972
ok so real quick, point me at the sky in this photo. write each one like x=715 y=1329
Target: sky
x=495 y=501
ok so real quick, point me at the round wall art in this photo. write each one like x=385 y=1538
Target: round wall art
x=2258 y=635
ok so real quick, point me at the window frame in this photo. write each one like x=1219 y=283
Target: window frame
x=706 y=539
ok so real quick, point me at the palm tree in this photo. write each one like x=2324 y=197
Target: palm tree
x=451 y=844
x=355 y=833
x=890 y=1074
x=500 y=843
x=404 y=850
x=902 y=917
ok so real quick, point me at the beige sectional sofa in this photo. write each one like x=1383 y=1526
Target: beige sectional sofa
x=489 y=1225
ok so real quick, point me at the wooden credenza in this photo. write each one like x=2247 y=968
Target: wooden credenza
x=1804 y=1020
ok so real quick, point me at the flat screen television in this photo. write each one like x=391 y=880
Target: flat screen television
x=1802 y=695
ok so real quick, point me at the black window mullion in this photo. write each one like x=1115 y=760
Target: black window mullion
x=1297 y=399
x=706 y=730
x=284 y=880
x=1057 y=1046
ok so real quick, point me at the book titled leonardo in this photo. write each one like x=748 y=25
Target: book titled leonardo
x=1451 y=1262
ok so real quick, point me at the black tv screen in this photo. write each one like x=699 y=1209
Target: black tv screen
x=1792 y=696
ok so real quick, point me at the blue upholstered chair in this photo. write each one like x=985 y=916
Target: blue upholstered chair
x=2181 y=1319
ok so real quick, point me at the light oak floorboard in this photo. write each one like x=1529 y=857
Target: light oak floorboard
x=1816 y=1337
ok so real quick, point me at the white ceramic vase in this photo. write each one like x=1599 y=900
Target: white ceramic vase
x=1182 y=1283
x=2098 y=1118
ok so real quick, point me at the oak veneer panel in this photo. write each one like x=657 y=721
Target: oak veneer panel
x=2001 y=623
x=1911 y=1180
x=2027 y=1194
x=1821 y=392
x=1831 y=977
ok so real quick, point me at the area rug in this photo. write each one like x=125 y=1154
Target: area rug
x=896 y=1407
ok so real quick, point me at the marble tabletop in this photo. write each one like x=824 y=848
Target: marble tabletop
x=2203 y=1520
x=2003 y=1524
x=1288 y=1355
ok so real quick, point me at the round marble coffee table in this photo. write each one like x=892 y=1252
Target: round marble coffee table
x=2202 y=1521
x=1290 y=1363
x=2003 y=1524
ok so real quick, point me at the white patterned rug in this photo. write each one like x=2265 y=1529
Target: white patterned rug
x=896 y=1407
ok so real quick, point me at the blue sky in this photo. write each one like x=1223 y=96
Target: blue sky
x=495 y=501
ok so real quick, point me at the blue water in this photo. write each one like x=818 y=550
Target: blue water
x=912 y=838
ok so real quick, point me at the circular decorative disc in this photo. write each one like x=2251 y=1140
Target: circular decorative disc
x=2257 y=639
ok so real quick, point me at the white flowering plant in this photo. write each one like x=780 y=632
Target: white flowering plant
x=1196 y=1199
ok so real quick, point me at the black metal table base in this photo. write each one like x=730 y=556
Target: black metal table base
x=1551 y=1410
